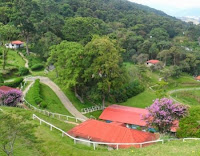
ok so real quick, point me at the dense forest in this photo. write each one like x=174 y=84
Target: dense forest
x=89 y=40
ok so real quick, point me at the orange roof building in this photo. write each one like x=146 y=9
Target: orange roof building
x=198 y=78
x=99 y=131
x=124 y=114
x=129 y=115
x=15 y=44
x=6 y=89
x=152 y=62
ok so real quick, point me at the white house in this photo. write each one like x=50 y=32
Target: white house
x=152 y=62
x=15 y=44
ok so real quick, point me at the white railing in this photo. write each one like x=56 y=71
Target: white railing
x=184 y=139
x=45 y=112
x=1 y=109
x=92 y=109
x=93 y=142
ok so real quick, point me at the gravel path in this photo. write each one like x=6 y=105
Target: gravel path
x=26 y=64
x=179 y=90
x=63 y=98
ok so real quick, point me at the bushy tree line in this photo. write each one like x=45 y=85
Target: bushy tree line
x=137 y=28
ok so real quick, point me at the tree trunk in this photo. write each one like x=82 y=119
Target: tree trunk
x=103 y=101
x=4 y=57
x=76 y=94
x=56 y=72
x=27 y=42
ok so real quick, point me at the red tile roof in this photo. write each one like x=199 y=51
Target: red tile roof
x=197 y=78
x=17 y=42
x=153 y=61
x=124 y=114
x=5 y=88
x=129 y=115
x=99 y=131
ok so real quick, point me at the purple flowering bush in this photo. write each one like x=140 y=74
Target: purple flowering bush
x=10 y=98
x=163 y=112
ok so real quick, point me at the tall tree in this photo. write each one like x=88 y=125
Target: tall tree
x=103 y=69
x=67 y=58
x=26 y=15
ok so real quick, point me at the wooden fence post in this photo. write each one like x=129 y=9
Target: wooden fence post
x=94 y=146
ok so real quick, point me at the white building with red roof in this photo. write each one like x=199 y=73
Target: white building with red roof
x=152 y=62
x=15 y=44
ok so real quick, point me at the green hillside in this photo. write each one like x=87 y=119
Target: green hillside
x=51 y=142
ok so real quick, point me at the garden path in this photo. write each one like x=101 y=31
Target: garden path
x=26 y=64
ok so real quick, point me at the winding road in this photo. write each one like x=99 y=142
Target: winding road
x=179 y=90
x=63 y=98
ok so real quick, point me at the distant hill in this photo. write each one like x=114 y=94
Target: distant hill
x=194 y=12
x=193 y=19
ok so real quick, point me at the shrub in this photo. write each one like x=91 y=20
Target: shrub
x=10 y=98
x=37 y=67
x=189 y=126
x=15 y=83
x=23 y=71
x=43 y=105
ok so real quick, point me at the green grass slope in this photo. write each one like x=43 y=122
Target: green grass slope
x=50 y=98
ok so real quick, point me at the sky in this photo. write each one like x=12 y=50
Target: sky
x=170 y=7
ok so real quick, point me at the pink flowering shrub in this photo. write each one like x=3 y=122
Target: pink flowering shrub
x=10 y=98
x=162 y=114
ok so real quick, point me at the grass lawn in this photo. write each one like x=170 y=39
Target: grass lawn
x=53 y=102
x=95 y=114
x=191 y=98
x=141 y=100
x=184 y=81
x=52 y=143
x=14 y=61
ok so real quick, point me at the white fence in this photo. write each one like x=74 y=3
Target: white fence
x=45 y=112
x=92 y=109
x=116 y=145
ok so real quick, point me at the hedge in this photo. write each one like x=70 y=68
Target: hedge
x=37 y=67
x=15 y=83
x=36 y=92
x=23 y=71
